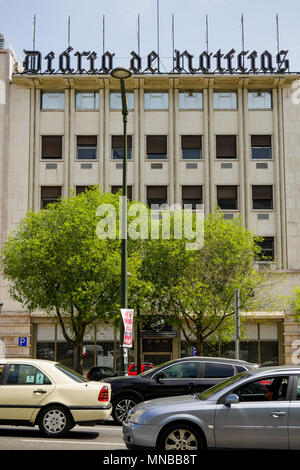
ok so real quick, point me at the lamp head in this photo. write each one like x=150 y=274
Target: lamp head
x=120 y=73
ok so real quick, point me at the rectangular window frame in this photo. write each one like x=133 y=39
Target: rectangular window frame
x=227 y=137
x=46 y=95
x=257 y=187
x=190 y=100
x=94 y=98
x=151 y=101
x=189 y=151
x=267 y=100
x=115 y=101
x=90 y=147
x=260 y=146
x=236 y=199
x=154 y=156
x=51 y=158
x=222 y=97
x=117 y=151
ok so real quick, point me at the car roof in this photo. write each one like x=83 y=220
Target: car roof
x=285 y=369
x=222 y=360
x=23 y=360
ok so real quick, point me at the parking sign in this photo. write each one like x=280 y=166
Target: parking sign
x=22 y=342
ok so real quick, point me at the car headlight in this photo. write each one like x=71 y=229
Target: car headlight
x=135 y=416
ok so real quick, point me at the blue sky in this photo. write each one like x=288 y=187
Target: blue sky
x=121 y=25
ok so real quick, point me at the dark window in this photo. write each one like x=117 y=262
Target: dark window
x=227 y=197
x=117 y=147
x=267 y=249
x=156 y=147
x=71 y=373
x=116 y=189
x=49 y=194
x=25 y=374
x=226 y=146
x=191 y=147
x=183 y=370
x=216 y=370
x=262 y=197
x=261 y=147
x=81 y=189
x=87 y=147
x=51 y=147
x=157 y=195
x=260 y=390
x=191 y=195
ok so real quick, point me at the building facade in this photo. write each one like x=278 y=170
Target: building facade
x=222 y=140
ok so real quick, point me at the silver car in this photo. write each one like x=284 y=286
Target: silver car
x=257 y=409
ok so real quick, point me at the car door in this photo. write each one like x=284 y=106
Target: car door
x=22 y=390
x=255 y=422
x=294 y=415
x=179 y=379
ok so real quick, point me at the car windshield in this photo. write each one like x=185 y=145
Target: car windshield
x=71 y=373
x=218 y=387
x=153 y=370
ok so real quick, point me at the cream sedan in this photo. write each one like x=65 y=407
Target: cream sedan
x=49 y=395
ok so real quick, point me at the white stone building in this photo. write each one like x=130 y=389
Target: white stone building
x=230 y=140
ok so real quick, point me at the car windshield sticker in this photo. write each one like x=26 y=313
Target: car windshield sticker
x=30 y=379
x=39 y=379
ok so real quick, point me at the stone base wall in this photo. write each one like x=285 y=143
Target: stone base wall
x=12 y=327
x=291 y=338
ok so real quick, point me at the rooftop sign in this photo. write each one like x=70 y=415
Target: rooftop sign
x=88 y=62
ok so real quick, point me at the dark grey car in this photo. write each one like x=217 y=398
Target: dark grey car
x=258 y=409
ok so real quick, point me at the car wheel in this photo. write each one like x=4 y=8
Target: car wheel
x=180 y=436
x=121 y=407
x=55 y=421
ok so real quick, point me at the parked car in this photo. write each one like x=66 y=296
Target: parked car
x=101 y=372
x=175 y=377
x=236 y=413
x=45 y=353
x=50 y=395
x=133 y=368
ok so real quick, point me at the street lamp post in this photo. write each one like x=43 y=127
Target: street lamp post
x=121 y=74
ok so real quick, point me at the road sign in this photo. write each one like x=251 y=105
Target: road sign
x=22 y=342
x=194 y=351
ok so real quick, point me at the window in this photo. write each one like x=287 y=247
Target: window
x=261 y=147
x=262 y=197
x=298 y=389
x=51 y=147
x=116 y=189
x=49 y=194
x=156 y=101
x=87 y=147
x=71 y=373
x=1 y=370
x=216 y=370
x=191 y=146
x=227 y=197
x=191 y=195
x=87 y=100
x=26 y=374
x=268 y=389
x=116 y=101
x=157 y=195
x=117 y=147
x=81 y=189
x=226 y=146
x=267 y=249
x=225 y=100
x=190 y=100
x=259 y=100
x=183 y=370
x=156 y=147
x=54 y=101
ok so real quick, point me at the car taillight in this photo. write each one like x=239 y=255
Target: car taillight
x=103 y=395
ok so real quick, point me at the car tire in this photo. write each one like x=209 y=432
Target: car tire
x=121 y=407
x=55 y=421
x=180 y=437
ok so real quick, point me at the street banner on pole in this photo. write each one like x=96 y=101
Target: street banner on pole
x=127 y=316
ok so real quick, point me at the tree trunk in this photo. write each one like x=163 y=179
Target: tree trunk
x=199 y=346
x=78 y=358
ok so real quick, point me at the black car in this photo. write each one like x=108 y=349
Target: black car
x=177 y=377
x=101 y=372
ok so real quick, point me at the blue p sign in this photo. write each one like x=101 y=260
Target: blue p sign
x=22 y=342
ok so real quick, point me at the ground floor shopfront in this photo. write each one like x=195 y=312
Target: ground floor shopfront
x=263 y=342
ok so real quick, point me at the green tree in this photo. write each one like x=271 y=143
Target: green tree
x=55 y=262
x=196 y=288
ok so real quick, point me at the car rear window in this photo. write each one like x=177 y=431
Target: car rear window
x=217 y=370
x=71 y=373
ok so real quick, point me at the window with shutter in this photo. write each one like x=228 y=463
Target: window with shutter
x=117 y=147
x=49 y=194
x=156 y=147
x=116 y=189
x=262 y=197
x=86 y=147
x=157 y=195
x=227 y=197
x=51 y=147
x=191 y=195
x=191 y=147
x=261 y=147
x=226 y=146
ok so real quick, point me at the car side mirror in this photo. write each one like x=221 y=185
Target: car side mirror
x=159 y=377
x=232 y=399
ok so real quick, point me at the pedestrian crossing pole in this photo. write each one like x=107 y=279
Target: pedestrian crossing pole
x=237 y=322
